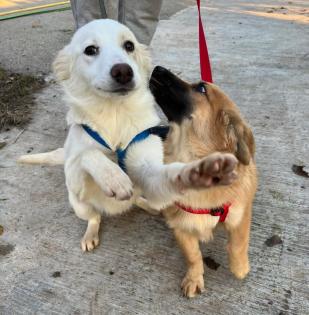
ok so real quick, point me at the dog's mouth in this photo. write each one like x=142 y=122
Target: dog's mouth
x=171 y=93
x=121 y=90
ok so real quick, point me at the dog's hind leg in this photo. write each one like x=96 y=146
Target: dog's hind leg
x=86 y=212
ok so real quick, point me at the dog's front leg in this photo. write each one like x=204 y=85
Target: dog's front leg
x=163 y=184
x=113 y=181
x=238 y=245
x=193 y=282
x=107 y=175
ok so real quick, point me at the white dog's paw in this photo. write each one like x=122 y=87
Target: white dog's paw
x=116 y=184
x=89 y=241
x=191 y=286
x=215 y=169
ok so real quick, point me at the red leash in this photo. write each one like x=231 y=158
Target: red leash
x=204 y=57
x=222 y=211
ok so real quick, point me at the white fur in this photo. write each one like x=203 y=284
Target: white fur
x=55 y=157
x=91 y=176
x=94 y=181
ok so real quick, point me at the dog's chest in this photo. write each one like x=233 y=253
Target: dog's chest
x=116 y=119
x=199 y=225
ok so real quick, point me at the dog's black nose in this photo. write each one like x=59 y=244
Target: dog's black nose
x=161 y=73
x=122 y=73
x=159 y=69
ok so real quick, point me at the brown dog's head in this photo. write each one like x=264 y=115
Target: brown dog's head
x=208 y=119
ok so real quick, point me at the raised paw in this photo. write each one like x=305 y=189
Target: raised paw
x=117 y=185
x=215 y=169
x=191 y=286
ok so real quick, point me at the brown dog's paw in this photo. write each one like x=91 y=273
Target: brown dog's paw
x=215 y=169
x=192 y=286
x=240 y=271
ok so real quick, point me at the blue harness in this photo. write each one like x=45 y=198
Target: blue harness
x=160 y=131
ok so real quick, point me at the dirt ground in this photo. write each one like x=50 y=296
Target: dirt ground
x=17 y=98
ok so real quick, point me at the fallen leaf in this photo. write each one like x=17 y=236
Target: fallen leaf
x=299 y=170
x=273 y=241
x=211 y=263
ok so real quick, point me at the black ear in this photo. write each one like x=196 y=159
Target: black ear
x=239 y=136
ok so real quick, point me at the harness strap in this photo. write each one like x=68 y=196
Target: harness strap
x=121 y=154
x=160 y=131
x=93 y=134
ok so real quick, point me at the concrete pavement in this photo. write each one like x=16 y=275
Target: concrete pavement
x=261 y=59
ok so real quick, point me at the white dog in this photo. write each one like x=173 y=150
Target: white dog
x=105 y=72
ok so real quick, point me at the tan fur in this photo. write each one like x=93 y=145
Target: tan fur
x=215 y=125
x=95 y=183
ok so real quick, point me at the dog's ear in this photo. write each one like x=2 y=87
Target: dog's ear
x=239 y=136
x=143 y=59
x=62 y=65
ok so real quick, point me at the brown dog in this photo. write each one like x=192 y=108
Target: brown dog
x=203 y=120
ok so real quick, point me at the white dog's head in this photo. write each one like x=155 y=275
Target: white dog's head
x=103 y=58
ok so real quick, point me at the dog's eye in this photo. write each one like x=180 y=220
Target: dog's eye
x=128 y=46
x=91 y=50
x=201 y=88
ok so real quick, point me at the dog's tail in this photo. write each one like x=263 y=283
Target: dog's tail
x=55 y=157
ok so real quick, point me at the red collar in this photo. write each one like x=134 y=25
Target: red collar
x=217 y=212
